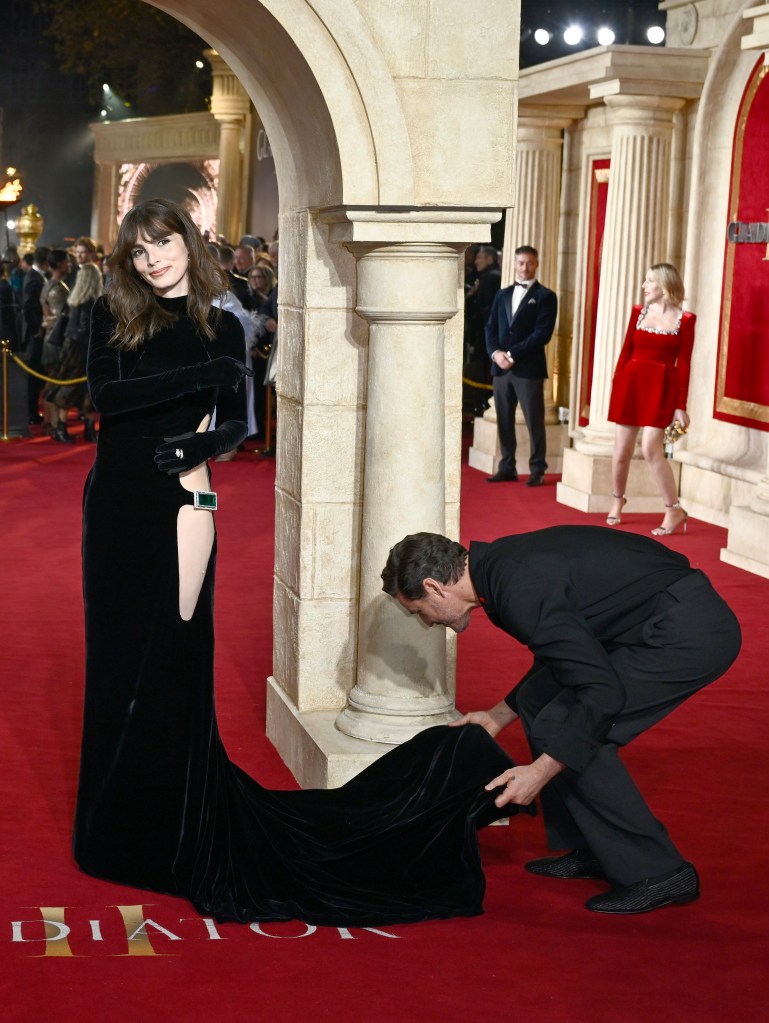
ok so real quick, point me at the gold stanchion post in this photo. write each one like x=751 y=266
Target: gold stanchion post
x=6 y=346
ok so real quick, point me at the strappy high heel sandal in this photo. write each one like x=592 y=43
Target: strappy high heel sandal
x=662 y=531
x=616 y=520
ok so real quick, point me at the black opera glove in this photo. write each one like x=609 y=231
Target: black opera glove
x=221 y=372
x=111 y=396
x=188 y=450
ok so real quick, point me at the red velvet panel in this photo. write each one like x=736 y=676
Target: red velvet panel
x=599 y=191
x=742 y=380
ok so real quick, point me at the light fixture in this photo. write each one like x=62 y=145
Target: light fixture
x=655 y=35
x=103 y=112
x=199 y=65
x=542 y=36
x=572 y=35
x=11 y=225
x=105 y=87
x=11 y=191
x=605 y=36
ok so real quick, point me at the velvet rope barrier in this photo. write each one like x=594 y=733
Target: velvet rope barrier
x=475 y=383
x=5 y=345
x=34 y=372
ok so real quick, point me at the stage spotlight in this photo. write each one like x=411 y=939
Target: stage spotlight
x=655 y=35
x=542 y=36
x=199 y=65
x=572 y=35
x=103 y=113
x=105 y=87
x=605 y=37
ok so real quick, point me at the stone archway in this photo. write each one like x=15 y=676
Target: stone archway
x=377 y=121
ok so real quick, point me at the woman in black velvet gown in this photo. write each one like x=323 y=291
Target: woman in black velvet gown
x=160 y=806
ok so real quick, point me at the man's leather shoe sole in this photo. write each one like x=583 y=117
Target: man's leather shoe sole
x=679 y=886
x=535 y=481
x=580 y=863
x=502 y=477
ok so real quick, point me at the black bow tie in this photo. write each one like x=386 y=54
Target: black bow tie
x=521 y=284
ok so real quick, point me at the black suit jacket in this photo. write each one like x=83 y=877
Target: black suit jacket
x=31 y=306
x=568 y=593
x=528 y=333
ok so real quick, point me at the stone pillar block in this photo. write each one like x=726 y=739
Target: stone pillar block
x=587 y=485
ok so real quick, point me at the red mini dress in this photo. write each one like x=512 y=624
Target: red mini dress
x=652 y=376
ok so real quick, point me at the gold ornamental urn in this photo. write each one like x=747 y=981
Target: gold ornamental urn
x=29 y=227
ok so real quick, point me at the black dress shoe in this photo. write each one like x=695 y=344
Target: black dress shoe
x=535 y=480
x=580 y=863
x=679 y=886
x=503 y=477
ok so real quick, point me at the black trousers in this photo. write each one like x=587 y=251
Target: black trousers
x=690 y=639
x=509 y=392
x=33 y=354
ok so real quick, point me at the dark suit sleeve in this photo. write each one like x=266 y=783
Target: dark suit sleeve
x=492 y=323
x=30 y=299
x=544 y=324
x=533 y=604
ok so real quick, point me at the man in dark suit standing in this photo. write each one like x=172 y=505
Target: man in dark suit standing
x=519 y=326
x=32 y=311
x=622 y=630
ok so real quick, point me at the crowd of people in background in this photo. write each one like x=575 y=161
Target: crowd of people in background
x=46 y=297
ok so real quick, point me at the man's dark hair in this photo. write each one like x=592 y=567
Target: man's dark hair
x=41 y=255
x=527 y=250
x=490 y=251
x=57 y=256
x=422 y=556
x=226 y=253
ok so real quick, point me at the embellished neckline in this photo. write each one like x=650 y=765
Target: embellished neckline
x=656 y=330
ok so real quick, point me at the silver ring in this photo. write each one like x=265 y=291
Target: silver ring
x=179 y=453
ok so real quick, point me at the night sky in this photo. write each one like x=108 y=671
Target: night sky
x=46 y=113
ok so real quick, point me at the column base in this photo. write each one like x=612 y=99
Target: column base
x=586 y=484
x=485 y=454
x=318 y=755
x=747 y=545
x=387 y=728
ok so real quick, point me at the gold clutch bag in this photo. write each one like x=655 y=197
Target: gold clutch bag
x=674 y=432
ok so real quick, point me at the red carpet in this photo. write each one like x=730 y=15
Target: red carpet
x=536 y=956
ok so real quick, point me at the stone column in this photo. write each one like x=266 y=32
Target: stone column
x=406 y=292
x=635 y=236
x=534 y=220
x=103 y=220
x=230 y=106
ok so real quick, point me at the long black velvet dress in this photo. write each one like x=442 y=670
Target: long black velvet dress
x=160 y=806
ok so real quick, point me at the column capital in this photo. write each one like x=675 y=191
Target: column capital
x=546 y=119
x=229 y=100
x=630 y=109
x=411 y=282
x=403 y=226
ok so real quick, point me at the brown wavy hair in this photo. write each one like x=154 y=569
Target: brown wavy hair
x=138 y=315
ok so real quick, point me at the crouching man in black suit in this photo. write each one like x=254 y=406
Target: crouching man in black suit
x=519 y=326
x=622 y=630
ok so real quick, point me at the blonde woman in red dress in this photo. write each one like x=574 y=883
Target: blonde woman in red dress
x=650 y=389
